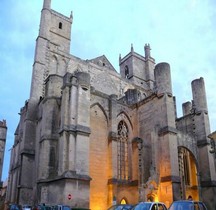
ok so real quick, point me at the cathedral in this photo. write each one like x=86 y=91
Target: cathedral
x=90 y=136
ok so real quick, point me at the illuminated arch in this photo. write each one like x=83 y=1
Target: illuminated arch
x=123 y=201
x=188 y=173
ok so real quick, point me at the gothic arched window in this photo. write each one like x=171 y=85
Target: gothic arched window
x=188 y=173
x=126 y=72
x=122 y=144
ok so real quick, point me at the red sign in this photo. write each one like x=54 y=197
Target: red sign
x=69 y=196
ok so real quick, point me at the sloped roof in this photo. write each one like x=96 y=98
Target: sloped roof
x=103 y=62
x=212 y=135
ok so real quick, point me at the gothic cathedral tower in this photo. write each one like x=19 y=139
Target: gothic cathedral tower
x=52 y=48
x=3 y=133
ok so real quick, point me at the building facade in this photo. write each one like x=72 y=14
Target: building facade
x=89 y=136
x=3 y=135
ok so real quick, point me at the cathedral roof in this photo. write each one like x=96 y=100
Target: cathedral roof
x=212 y=135
x=102 y=61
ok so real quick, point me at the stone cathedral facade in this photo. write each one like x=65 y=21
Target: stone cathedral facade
x=90 y=136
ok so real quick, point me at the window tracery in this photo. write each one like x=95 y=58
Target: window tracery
x=122 y=145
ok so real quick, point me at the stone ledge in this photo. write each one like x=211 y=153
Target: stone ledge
x=24 y=186
x=112 y=136
x=122 y=182
x=47 y=98
x=167 y=129
x=27 y=152
x=76 y=129
x=54 y=137
x=67 y=175
x=202 y=143
x=98 y=93
x=208 y=183
x=173 y=179
x=14 y=167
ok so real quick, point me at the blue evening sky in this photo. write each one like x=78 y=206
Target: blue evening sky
x=182 y=33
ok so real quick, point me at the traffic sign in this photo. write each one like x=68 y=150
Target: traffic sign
x=69 y=196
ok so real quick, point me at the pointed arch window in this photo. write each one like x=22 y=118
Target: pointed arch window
x=184 y=166
x=126 y=72
x=122 y=146
x=188 y=173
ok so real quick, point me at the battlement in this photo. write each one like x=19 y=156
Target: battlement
x=147 y=54
x=137 y=68
x=138 y=56
x=70 y=19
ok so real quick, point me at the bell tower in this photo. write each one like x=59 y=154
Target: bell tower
x=52 y=44
x=137 y=68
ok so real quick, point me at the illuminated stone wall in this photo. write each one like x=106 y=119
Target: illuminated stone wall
x=98 y=159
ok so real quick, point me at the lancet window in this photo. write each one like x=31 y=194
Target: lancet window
x=126 y=72
x=122 y=144
x=60 y=25
x=184 y=166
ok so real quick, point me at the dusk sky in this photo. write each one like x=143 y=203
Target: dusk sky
x=182 y=33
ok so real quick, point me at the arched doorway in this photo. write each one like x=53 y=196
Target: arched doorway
x=188 y=174
x=123 y=201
